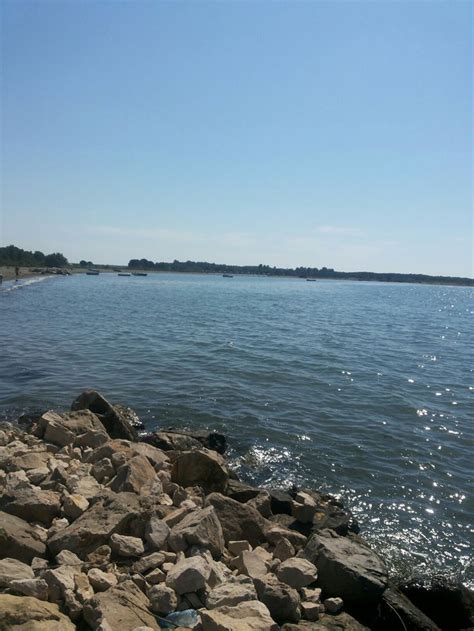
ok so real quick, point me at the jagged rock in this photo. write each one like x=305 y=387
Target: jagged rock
x=66 y=557
x=103 y=470
x=251 y=564
x=283 y=602
x=110 y=514
x=85 y=485
x=113 y=419
x=311 y=595
x=347 y=568
x=188 y=575
x=19 y=540
x=35 y=587
x=201 y=528
x=31 y=459
x=171 y=441
x=236 y=547
x=91 y=438
x=310 y=610
x=240 y=491
x=250 y=615
x=204 y=468
x=124 y=450
x=32 y=504
x=304 y=508
x=274 y=533
x=122 y=607
x=149 y=562
x=297 y=572
x=126 y=546
x=74 y=505
x=12 y=569
x=156 y=533
x=83 y=587
x=262 y=504
x=281 y=502
x=333 y=605
x=413 y=618
x=62 y=429
x=100 y=556
x=238 y=521
x=163 y=599
x=236 y=590
x=284 y=550
x=23 y=613
x=341 y=622
x=101 y=581
x=155 y=577
x=136 y=475
x=60 y=580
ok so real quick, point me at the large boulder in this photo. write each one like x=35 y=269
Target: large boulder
x=188 y=575
x=156 y=457
x=136 y=475
x=297 y=572
x=12 y=569
x=234 y=591
x=122 y=607
x=250 y=615
x=110 y=514
x=62 y=429
x=32 y=504
x=283 y=602
x=203 y=468
x=238 y=521
x=200 y=527
x=347 y=568
x=115 y=420
x=396 y=606
x=326 y=622
x=20 y=613
x=19 y=540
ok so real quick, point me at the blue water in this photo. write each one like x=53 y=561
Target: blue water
x=362 y=389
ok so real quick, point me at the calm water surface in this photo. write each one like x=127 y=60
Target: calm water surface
x=362 y=389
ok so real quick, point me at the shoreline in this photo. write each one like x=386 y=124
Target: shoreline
x=92 y=514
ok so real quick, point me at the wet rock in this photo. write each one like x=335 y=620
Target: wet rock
x=156 y=533
x=135 y=476
x=101 y=581
x=115 y=421
x=188 y=575
x=238 y=521
x=12 y=569
x=125 y=546
x=22 y=613
x=204 y=468
x=163 y=599
x=200 y=527
x=236 y=590
x=32 y=504
x=246 y=616
x=347 y=568
x=297 y=572
x=35 y=587
x=122 y=607
x=283 y=602
x=18 y=539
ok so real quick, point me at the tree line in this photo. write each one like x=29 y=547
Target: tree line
x=12 y=256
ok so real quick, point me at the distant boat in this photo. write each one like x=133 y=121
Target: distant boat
x=227 y=276
x=92 y=272
x=311 y=280
x=123 y=274
x=139 y=274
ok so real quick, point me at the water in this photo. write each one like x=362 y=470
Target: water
x=362 y=389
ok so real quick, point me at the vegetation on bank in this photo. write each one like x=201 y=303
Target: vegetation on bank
x=13 y=256
x=301 y=272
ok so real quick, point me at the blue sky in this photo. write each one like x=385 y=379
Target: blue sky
x=287 y=133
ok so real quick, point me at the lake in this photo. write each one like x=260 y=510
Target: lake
x=361 y=389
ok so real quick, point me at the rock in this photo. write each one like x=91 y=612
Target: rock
x=111 y=514
x=156 y=533
x=61 y=429
x=262 y=504
x=304 y=508
x=11 y=569
x=66 y=557
x=60 y=580
x=297 y=572
x=74 y=505
x=251 y=564
x=283 y=602
x=91 y=439
x=103 y=470
x=172 y=441
x=310 y=610
x=347 y=568
x=136 y=476
x=240 y=491
x=311 y=595
x=22 y=613
x=122 y=607
x=200 y=527
x=246 y=616
x=333 y=605
x=204 y=468
x=155 y=577
x=188 y=575
x=149 y=562
x=126 y=546
x=236 y=590
x=35 y=587
x=281 y=502
x=341 y=622
x=113 y=419
x=32 y=504
x=284 y=550
x=18 y=539
x=395 y=605
x=83 y=587
x=100 y=556
x=236 y=547
x=85 y=485
x=163 y=599
x=101 y=581
x=274 y=533
x=239 y=521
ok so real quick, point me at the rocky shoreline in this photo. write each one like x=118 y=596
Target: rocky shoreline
x=101 y=530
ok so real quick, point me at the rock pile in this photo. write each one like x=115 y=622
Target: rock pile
x=103 y=532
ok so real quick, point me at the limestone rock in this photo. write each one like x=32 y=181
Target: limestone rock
x=333 y=605
x=113 y=418
x=310 y=610
x=126 y=546
x=304 y=508
x=32 y=504
x=283 y=601
x=236 y=590
x=203 y=468
x=346 y=567
x=201 y=528
x=74 y=505
x=35 y=587
x=135 y=476
x=101 y=581
x=284 y=550
x=22 y=613
x=12 y=569
x=122 y=607
x=188 y=575
x=19 y=540
x=239 y=521
x=246 y=616
x=149 y=562
x=156 y=533
x=66 y=557
x=61 y=429
x=250 y=563
x=60 y=580
x=163 y=599
x=236 y=547
x=297 y=572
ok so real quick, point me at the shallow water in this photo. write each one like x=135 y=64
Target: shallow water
x=362 y=389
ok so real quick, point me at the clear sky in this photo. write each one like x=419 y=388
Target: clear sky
x=286 y=133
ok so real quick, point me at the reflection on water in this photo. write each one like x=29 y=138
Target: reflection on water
x=362 y=389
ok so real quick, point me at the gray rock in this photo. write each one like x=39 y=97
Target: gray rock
x=239 y=521
x=126 y=546
x=347 y=568
x=327 y=622
x=413 y=618
x=18 y=539
x=149 y=562
x=156 y=533
x=163 y=599
x=297 y=572
x=32 y=504
x=246 y=616
x=203 y=468
x=101 y=581
x=188 y=575
x=283 y=601
x=333 y=605
x=12 y=569
x=236 y=590
x=201 y=528
x=135 y=476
